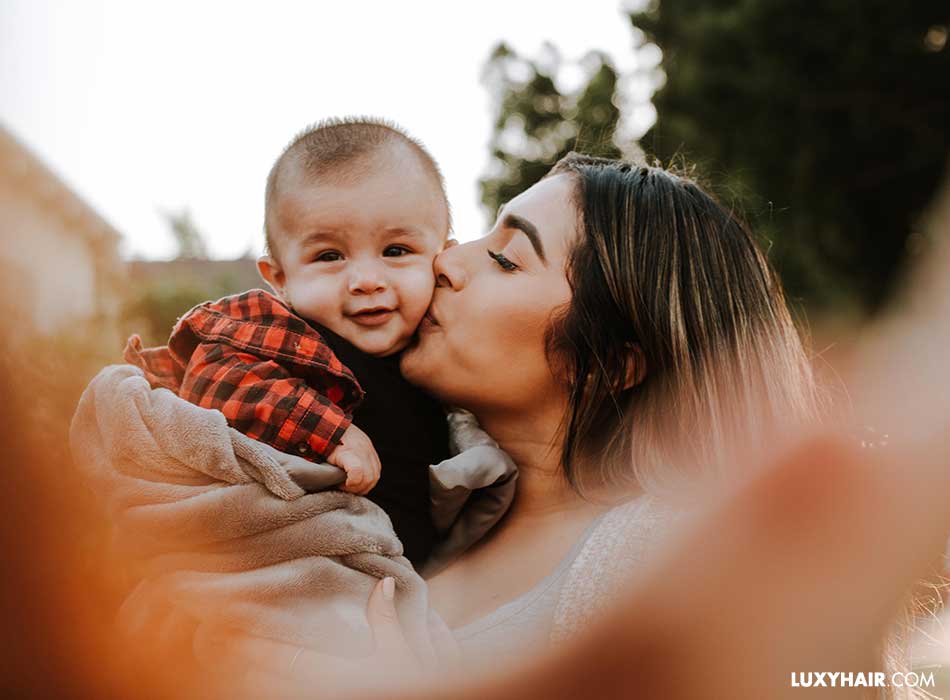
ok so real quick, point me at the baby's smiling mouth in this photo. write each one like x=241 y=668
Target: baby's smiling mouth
x=372 y=315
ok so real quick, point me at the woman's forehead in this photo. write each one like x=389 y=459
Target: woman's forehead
x=549 y=205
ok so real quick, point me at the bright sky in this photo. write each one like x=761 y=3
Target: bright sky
x=144 y=106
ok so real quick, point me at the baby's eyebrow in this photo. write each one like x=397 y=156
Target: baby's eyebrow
x=319 y=237
x=403 y=231
x=322 y=237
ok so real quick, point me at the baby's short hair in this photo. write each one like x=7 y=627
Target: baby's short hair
x=335 y=150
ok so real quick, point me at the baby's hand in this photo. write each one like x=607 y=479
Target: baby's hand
x=357 y=457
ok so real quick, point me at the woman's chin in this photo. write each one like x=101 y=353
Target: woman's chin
x=416 y=359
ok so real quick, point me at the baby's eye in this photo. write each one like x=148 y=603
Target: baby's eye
x=395 y=251
x=328 y=256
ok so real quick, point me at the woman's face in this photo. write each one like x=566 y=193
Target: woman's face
x=482 y=344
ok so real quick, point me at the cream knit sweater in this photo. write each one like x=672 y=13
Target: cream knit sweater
x=613 y=553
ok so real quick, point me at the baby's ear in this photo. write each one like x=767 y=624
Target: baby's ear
x=272 y=273
x=449 y=243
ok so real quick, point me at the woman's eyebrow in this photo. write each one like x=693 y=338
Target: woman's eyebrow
x=528 y=229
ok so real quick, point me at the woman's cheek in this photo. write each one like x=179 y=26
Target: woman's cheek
x=519 y=321
x=487 y=330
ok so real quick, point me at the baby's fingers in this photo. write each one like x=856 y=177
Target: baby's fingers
x=371 y=473
x=376 y=467
x=357 y=481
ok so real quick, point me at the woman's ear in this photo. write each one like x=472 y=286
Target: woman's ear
x=636 y=370
x=272 y=273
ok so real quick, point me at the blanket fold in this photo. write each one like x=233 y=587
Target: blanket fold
x=224 y=532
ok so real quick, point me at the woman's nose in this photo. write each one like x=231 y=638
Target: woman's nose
x=366 y=278
x=449 y=267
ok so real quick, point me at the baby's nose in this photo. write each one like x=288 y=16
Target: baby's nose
x=366 y=279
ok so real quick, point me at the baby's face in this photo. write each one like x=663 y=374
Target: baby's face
x=357 y=256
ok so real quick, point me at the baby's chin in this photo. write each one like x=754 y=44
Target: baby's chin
x=381 y=346
x=378 y=341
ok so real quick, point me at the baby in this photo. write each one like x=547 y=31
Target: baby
x=355 y=213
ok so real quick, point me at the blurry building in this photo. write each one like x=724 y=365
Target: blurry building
x=60 y=269
x=218 y=277
x=160 y=291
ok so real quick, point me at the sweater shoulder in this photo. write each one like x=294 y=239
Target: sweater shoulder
x=615 y=550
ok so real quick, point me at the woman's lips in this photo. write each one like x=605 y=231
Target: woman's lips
x=428 y=322
x=372 y=317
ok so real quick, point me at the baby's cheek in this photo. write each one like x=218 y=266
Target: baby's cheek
x=415 y=292
x=317 y=298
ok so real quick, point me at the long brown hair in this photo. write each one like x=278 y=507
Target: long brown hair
x=668 y=284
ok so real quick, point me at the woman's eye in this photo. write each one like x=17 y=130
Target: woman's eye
x=329 y=256
x=395 y=251
x=503 y=262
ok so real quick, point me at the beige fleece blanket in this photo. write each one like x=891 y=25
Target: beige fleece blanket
x=222 y=537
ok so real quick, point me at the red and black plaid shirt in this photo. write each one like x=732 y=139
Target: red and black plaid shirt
x=270 y=373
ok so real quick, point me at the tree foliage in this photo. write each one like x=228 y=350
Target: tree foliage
x=158 y=293
x=153 y=307
x=827 y=123
x=190 y=240
x=537 y=123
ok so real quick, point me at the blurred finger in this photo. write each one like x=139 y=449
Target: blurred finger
x=263 y=658
x=266 y=656
x=263 y=684
x=384 y=623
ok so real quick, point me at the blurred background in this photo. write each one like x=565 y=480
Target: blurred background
x=135 y=139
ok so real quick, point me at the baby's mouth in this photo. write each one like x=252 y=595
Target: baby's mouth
x=372 y=316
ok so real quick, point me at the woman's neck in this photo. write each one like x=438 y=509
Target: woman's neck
x=533 y=441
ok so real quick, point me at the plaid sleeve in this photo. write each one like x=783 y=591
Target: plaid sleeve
x=264 y=401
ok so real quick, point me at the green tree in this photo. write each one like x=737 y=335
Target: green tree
x=537 y=123
x=153 y=307
x=827 y=123
x=190 y=241
x=153 y=302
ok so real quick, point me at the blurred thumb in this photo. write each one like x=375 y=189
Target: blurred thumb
x=384 y=622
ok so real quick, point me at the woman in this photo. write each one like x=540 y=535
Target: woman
x=613 y=311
